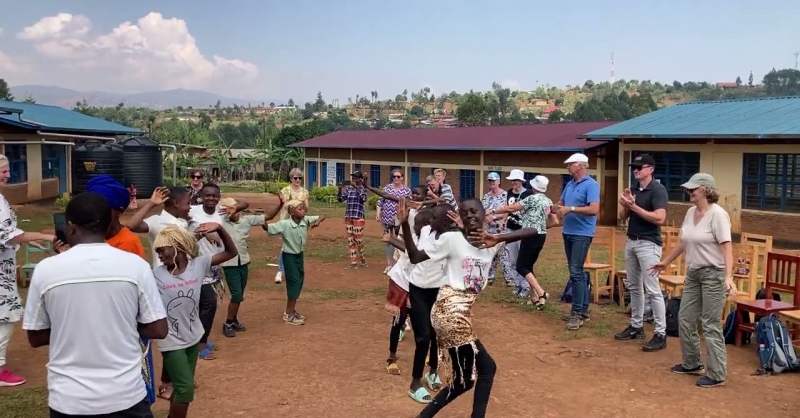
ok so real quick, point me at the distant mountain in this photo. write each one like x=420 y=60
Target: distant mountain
x=59 y=96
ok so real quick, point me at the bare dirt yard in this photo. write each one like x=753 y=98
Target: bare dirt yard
x=334 y=366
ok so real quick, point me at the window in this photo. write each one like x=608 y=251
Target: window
x=339 y=173
x=466 y=184
x=51 y=161
x=672 y=170
x=528 y=178
x=311 y=174
x=375 y=175
x=356 y=167
x=771 y=182
x=18 y=162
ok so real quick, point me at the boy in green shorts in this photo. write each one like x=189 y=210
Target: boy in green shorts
x=238 y=226
x=294 y=231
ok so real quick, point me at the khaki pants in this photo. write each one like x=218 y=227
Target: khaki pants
x=704 y=295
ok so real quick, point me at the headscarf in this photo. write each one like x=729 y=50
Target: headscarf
x=115 y=193
x=289 y=207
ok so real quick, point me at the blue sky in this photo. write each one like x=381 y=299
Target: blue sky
x=288 y=49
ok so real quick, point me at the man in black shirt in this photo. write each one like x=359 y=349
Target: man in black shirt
x=645 y=211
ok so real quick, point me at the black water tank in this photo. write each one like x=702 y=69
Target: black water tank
x=143 y=165
x=92 y=158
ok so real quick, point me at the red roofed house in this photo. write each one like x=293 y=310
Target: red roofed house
x=549 y=110
x=468 y=155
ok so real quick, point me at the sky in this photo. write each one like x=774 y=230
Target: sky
x=276 y=50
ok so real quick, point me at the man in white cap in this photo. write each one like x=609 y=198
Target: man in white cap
x=645 y=211
x=516 y=193
x=578 y=207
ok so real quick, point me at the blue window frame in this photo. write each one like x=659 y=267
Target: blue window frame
x=311 y=174
x=50 y=161
x=339 y=173
x=466 y=184
x=414 y=177
x=771 y=182
x=356 y=167
x=375 y=175
x=18 y=163
x=672 y=170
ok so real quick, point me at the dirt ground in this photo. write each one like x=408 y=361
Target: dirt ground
x=334 y=365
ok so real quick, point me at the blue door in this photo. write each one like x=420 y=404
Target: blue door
x=62 y=169
x=323 y=176
x=311 y=174
x=339 y=173
x=466 y=184
x=414 y=177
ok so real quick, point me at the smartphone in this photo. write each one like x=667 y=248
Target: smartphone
x=61 y=236
x=346 y=182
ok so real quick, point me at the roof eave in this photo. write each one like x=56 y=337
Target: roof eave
x=91 y=131
x=689 y=136
x=435 y=148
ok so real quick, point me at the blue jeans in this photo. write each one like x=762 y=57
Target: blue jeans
x=280 y=262
x=576 y=248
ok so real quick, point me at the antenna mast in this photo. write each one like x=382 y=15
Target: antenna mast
x=612 y=67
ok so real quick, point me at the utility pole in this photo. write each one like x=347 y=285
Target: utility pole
x=796 y=54
x=612 y=67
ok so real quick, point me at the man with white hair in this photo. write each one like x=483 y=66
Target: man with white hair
x=578 y=206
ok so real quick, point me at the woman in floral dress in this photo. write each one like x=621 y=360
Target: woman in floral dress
x=494 y=199
x=11 y=307
x=294 y=191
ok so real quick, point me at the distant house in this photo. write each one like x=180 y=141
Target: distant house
x=727 y=85
x=38 y=140
x=550 y=109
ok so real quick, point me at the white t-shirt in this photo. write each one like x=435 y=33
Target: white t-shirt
x=427 y=274
x=467 y=266
x=92 y=297
x=181 y=297
x=401 y=270
x=199 y=216
x=156 y=224
x=701 y=242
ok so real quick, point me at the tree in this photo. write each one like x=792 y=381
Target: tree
x=750 y=79
x=555 y=116
x=473 y=111
x=291 y=103
x=319 y=104
x=417 y=111
x=271 y=104
x=5 y=91
x=738 y=81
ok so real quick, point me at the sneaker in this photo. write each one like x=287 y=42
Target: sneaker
x=402 y=334
x=299 y=315
x=658 y=342
x=707 y=382
x=525 y=294
x=238 y=326
x=574 y=323
x=279 y=277
x=681 y=369
x=511 y=284
x=293 y=320
x=8 y=379
x=584 y=317
x=228 y=331
x=364 y=264
x=408 y=326
x=630 y=333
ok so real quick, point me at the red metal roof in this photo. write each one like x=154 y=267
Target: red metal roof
x=536 y=137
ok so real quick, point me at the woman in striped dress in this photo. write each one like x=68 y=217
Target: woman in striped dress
x=387 y=212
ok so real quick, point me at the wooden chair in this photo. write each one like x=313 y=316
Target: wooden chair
x=792 y=319
x=29 y=266
x=669 y=238
x=594 y=269
x=673 y=278
x=782 y=274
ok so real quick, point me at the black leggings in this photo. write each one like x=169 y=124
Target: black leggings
x=529 y=250
x=463 y=359
x=394 y=333
x=422 y=301
x=208 y=308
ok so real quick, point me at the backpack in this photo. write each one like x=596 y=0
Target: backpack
x=673 y=309
x=729 y=331
x=648 y=308
x=566 y=297
x=775 y=351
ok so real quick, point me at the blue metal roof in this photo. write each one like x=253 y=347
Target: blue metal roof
x=774 y=117
x=57 y=119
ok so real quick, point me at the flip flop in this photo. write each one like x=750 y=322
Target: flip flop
x=434 y=382
x=207 y=355
x=391 y=367
x=420 y=395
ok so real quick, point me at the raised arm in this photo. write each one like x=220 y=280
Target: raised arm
x=268 y=216
x=394 y=242
x=414 y=254
x=229 y=248
x=136 y=223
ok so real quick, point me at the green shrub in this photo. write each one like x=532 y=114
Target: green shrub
x=372 y=202
x=274 y=187
x=323 y=194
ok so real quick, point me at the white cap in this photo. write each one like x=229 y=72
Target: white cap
x=516 y=174
x=539 y=183
x=577 y=158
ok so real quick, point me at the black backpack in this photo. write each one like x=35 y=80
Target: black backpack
x=730 y=322
x=673 y=310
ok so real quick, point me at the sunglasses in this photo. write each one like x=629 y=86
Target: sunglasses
x=297 y=178
x=690 y=191
x=397 y=177
x=197 y=177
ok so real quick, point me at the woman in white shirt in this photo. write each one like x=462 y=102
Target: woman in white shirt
x=706 y=245
x=466 y=273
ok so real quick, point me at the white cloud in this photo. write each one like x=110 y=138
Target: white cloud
x=7 y=65
x=152 y=54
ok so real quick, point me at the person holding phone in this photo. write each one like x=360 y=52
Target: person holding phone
x=355 y=196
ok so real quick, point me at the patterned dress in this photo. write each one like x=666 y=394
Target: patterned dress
x=495 y=202
x=289 y=194
x=11 y=308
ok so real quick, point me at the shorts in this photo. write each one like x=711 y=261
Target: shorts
x=181 y=365
x=236 y=278
x=294 y=273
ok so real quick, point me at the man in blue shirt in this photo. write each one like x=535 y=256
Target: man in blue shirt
x=578 y=206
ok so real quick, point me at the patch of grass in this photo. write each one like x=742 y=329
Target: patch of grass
x=29 y=402
x=241 y=189
x=330 y=249
x=346 y=294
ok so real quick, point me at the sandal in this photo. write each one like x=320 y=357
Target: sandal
x=211 y=346
x=434 y=382
x=165 y=391
x=207 y=355
x=391 y=366
x=542 y=300
x=420 y=395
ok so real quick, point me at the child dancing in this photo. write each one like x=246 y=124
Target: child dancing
x=294 y=231
x=468 y=256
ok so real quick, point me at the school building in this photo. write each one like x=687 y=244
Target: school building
x=37 y=140
x=751 y=147
x=467 y=154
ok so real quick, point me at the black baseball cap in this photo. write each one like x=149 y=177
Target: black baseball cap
x=642 y=160
x=357 y=174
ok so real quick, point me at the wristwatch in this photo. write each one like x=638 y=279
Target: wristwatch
x=572 y=208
